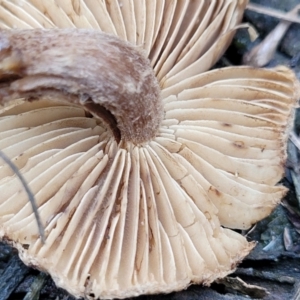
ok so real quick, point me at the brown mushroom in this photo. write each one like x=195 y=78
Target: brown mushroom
x=129 y=210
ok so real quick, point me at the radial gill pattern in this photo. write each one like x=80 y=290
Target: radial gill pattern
x=122 y=219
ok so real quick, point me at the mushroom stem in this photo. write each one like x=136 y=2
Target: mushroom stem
x=107 y=76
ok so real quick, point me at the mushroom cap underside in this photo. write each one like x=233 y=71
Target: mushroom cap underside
x=123 y=219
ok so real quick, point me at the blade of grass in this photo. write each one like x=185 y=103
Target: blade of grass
x=29 y=193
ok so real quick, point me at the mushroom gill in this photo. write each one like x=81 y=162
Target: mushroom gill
x=139 y=158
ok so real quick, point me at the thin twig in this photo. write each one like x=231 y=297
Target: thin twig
x=272 y=12
x=295 y=139
x=36 y=287
x=29 y=193
x=263 y=53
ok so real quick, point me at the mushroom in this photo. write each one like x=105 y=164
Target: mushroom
x=141 y=161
